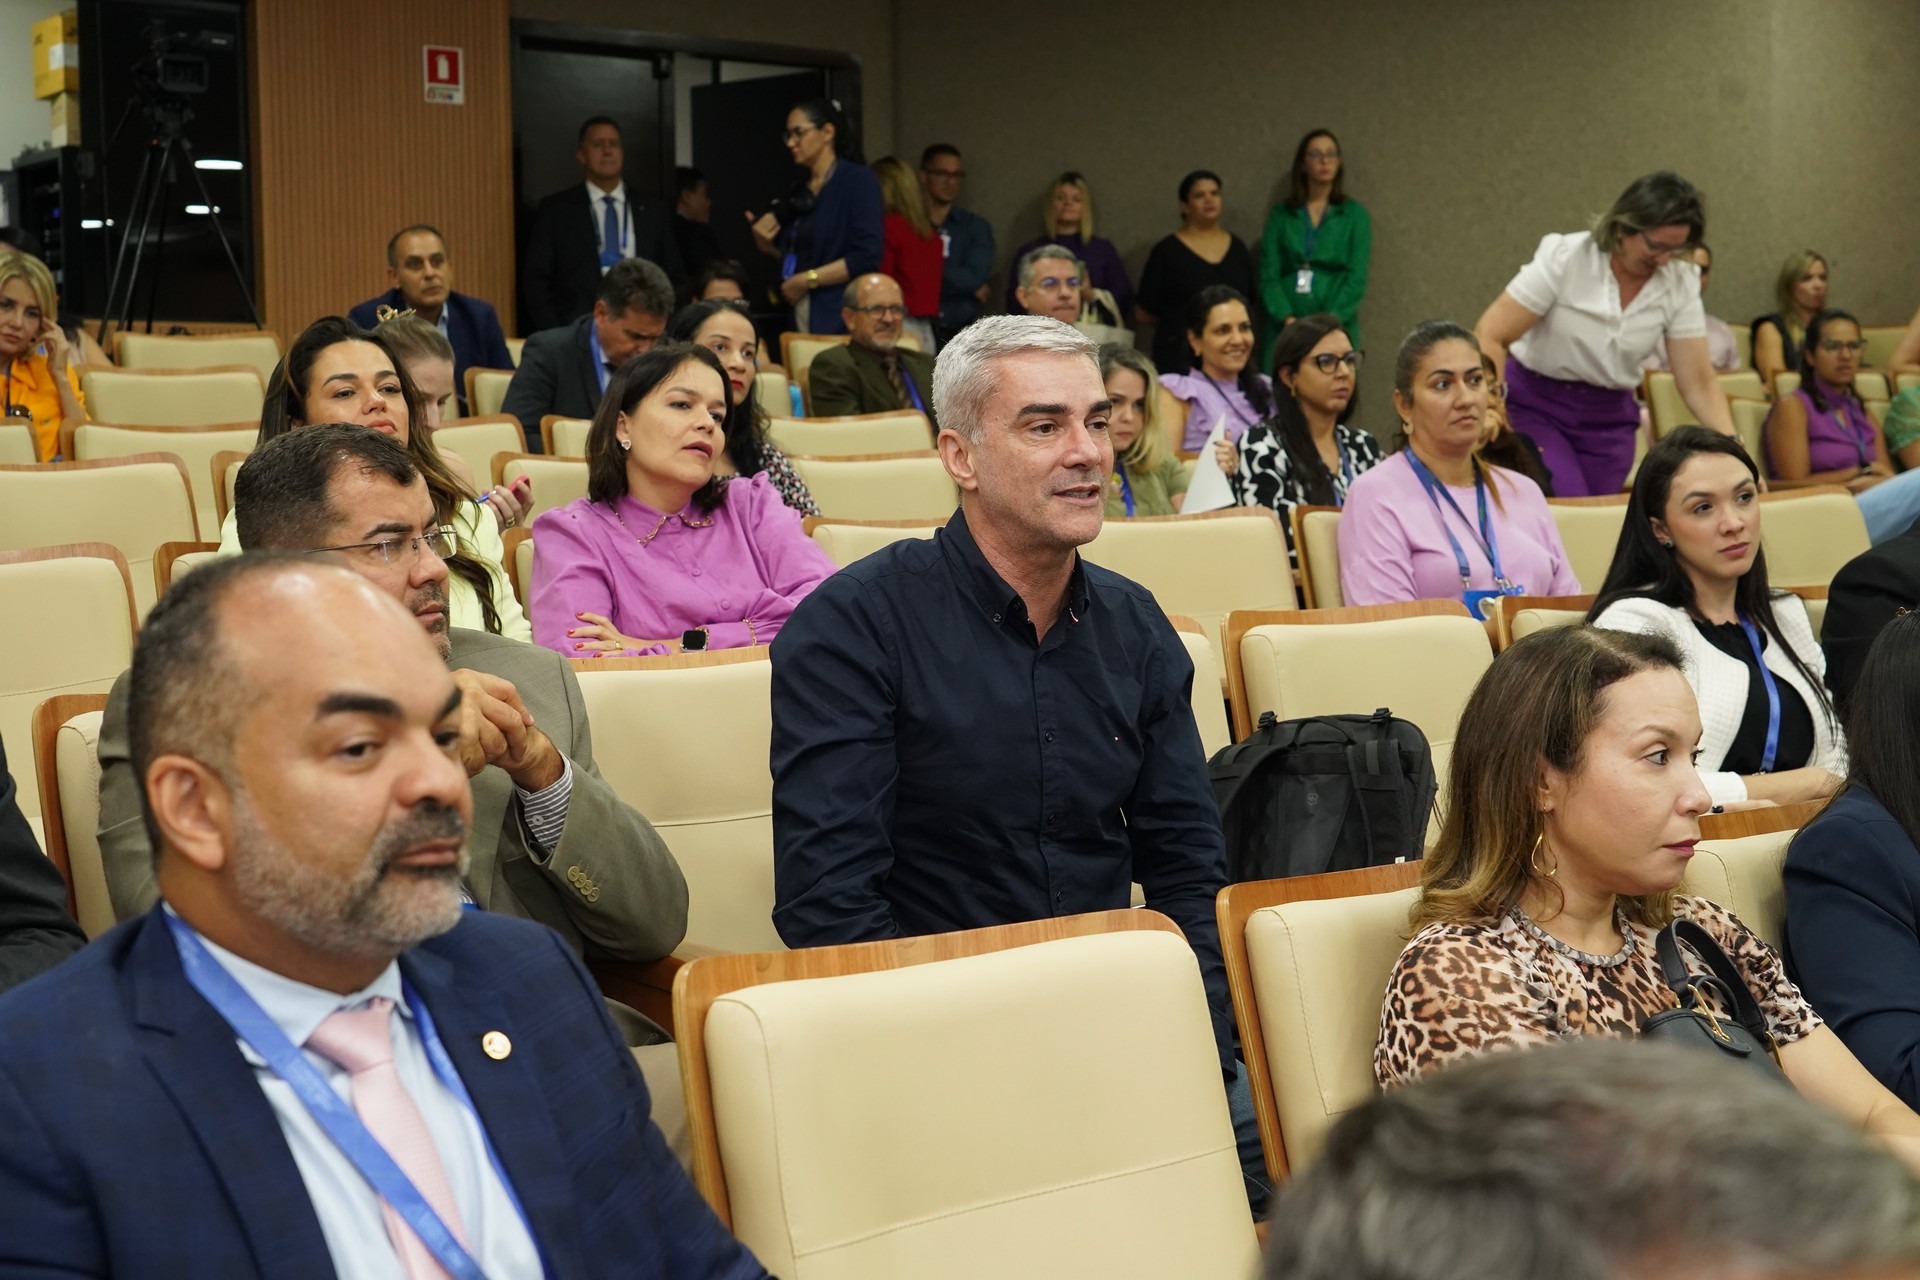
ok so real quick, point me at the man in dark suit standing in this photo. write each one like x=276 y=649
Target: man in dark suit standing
x=693 y=221
x=420 y=271
x=581 y=233
x=36 y=933
x=872 y=373
x=1864 y=597
x=565 y=370
x=311 y=1061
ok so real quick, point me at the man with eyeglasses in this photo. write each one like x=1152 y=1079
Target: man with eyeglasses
x=550 y=840
x=966 y=239
x=1050 y=283
x=872 y=373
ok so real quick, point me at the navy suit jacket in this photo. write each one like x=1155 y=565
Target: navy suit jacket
x=138 y=1143
x=472 y=327
x=555 y=376
x=560 y=276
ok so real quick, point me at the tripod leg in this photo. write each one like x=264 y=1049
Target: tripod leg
x=168 y=182
x=156 y=191
x=233 y=260
x=107 y=312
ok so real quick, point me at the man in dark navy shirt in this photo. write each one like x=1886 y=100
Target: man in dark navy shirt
x=983 y=728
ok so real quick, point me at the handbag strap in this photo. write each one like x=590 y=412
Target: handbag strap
x=1726 y=976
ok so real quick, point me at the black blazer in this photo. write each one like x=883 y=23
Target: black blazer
x=473 y=329
x=555 y=376
x=561 y=273
x=36 y=933
x=1863 y=597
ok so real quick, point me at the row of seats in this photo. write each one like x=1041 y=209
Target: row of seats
x=1746 y=396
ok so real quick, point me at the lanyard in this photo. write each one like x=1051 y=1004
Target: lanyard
x=1310 y=233
x=1488 y=543
x=599 y=356
x=1346 y=473
x=913 y=392
x=338 y=1120
x=1126 y=485
x=1225 y=397
x=1773 y=696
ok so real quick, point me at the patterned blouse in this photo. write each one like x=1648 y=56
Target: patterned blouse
x=786 y=481
x=1464 y=989
x=1266 y=477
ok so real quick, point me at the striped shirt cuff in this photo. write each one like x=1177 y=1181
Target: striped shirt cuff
x=545 y=811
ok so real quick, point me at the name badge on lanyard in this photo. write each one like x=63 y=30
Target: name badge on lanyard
x=1479 y=603
x=599 y=357
x=1772 y=749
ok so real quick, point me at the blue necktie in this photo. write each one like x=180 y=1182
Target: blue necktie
x=609 y=233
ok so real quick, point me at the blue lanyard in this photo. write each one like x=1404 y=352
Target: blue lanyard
x=1310 y=234
x=1346 y=473
x=1773 y=696
x=1435 y=492
x=339 y=1121
x=1126 y=486
x=599 y=356
x=913 y=392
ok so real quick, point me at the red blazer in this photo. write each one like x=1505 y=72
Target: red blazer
x=915 y=262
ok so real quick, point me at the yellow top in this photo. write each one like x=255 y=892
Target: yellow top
x=30 y=386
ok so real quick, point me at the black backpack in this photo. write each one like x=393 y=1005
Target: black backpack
x=1327 y=793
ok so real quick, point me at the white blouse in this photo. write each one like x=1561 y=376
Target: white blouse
x=1720 y=683
x=1583 y=334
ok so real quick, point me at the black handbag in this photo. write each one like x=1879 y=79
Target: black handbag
x=1692 y=1021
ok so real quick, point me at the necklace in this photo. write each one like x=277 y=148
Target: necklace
x=691 y=524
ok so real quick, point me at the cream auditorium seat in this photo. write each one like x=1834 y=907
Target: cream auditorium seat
x=884 y=486
x=66 y=753
x=258 y=349
x=846 y=541
x=1316 y=543
x=514 y=347
x=196 y=447
x=66 y=626
x=1589 y=530
x=17 y=445
x=216 y=397
x=555 y=481
x=851 y=435
x=1815 y=598
x=517 y=559
x=1202 y=566
x=487 y=390
x=708 y=792
x=1738 y=864
x=1785 y=384
x=1906 y=382
x=772 y=392
x=1750 y=425
x=134 y=503
x=175 y=560
x=1743 y=384
x=1209 y=708
x=1665 y=407
x=475 y=440
x=564 y=437
x=1516 y=617
x=1307 y=961
x=1809 y=533
x=1027 y=1103
x=1418 y=659
x=1871 y=384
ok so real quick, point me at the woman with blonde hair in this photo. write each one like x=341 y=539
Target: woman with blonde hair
x=1066 y=217
x=1148 y=477
x=428 y=356
x=43 y=385
x=1566 y=834
x=1800 y=294
x=912 y=254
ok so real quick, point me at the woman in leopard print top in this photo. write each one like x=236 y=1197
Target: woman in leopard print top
x=1567 y=827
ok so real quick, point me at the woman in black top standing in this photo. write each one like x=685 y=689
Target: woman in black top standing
x=1200 y=253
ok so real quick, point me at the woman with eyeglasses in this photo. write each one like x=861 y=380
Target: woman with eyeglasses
x=1306 y=454
x=1200 y=255
x=336 y=371
x=1435 y=521
x=1822 y=434
x=830 y=227
x=1318 y=242
x=1571 y=330
x=42 y=370
x=1066 y=217
x=1800 y=294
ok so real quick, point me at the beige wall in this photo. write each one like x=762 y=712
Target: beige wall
x=1470 y=130
x=864 y=28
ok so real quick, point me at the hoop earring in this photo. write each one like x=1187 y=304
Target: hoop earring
x=1533 y=859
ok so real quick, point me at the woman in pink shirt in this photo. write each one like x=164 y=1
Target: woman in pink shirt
x=661 y=554
x=1435 y=522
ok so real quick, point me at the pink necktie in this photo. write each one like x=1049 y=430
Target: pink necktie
x=361 y=1041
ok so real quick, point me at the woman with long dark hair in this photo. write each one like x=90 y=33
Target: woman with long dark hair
x=1318 y=242
x=335 y=371
x=830 y=227
x=1306 y=454
x=1224 y=380
x=724 y=327
x=1200 y=254
x=1853 y=873
x=1689 y=567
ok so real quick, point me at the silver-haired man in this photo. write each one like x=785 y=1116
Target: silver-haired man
x=983 y=728
x=1050 y=283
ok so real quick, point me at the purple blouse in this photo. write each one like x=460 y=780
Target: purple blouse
x=1832 y=446
x=1206 y=399
x=1103 y=267
x=752 y=562
x=1393 y=546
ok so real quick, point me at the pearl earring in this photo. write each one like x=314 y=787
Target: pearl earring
x=626 y=445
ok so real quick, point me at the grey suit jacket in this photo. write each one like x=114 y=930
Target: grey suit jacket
x=610 y=888
x=848 y=379
x=555 y=376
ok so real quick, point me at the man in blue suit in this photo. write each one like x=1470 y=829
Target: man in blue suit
x=421 y=272
x=309 y=1061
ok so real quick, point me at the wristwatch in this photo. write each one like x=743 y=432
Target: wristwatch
x=694 y=641
x=813 y=277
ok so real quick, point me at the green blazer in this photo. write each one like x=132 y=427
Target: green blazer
x=611 y=888
x=1341 y=255
x=1153 y=491
x=848 y=379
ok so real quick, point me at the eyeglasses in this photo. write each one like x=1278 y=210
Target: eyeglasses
x=1327 y=361
x=955 y=174
x=799 y=131
x=441 y=542
x=1323 y=155
x=1834 y=345
x=1055 y=282
x=1659 y=250
x=886 y=311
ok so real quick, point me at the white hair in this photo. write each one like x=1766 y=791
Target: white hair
x=1042 y=253
x=963 y=378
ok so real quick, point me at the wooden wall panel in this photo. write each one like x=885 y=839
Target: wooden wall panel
x=347 y=150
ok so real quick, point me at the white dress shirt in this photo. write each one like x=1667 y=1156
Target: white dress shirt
x=1583 y=334
x=345 y=1202
x=622 y=215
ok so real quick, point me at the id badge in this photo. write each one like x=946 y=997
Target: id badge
x=1480 y=603
x=1303 y=280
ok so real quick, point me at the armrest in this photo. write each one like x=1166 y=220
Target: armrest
x=647 y=988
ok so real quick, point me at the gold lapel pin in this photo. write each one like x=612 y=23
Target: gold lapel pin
x=496 y=1045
